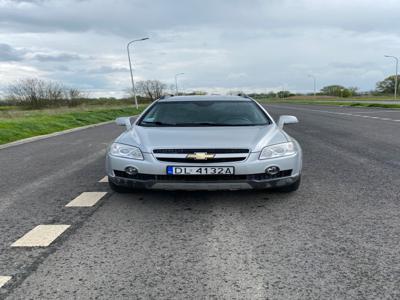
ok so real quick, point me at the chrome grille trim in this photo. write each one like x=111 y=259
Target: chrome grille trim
x=212 y=151
x=180 y=155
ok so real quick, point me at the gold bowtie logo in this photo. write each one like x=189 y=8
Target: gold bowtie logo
x=200 y=156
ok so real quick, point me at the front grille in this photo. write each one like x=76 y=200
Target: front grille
x=202 y=178
x=193 y=161
x=210 y=151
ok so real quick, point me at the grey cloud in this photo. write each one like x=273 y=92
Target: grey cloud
x=108 y=70
x=224 y=43
x=128 y=18
x=8 y=53
x=62 y=57
x=351 y=65
x=62 y=68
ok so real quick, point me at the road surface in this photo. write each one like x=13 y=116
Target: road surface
x=337 y=237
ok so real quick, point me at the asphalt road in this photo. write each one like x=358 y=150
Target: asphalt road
x=337 y=237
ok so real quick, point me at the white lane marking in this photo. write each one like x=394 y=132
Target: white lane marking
x=104 y=179
x=86 y=199
x=4 y=280
x=335 y=113
x=40 y=236
x=376 y=111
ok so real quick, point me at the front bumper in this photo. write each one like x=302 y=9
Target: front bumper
x=249 y=174
x=178 y=183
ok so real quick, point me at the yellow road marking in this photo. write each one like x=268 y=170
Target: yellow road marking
x=4 y=280
x=104 y=179
x=86 y=199
x=40 y=236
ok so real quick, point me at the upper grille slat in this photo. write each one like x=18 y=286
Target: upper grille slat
x=191 y=161
x=210 y=151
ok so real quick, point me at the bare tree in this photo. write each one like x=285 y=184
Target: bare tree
x=53 y=91
x=152 y=89
x=37 y=93
x=72 y=93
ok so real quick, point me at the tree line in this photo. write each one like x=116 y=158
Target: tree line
x=384 y=87
x=38 y=93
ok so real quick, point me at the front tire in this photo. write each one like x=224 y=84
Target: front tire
x=290 y=188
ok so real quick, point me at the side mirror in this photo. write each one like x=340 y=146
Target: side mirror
x=287 y=120
x=124 y=121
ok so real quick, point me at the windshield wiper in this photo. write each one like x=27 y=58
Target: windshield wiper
x=200 y=124
x=157 y=123
x=195 y=124
x=213 y=124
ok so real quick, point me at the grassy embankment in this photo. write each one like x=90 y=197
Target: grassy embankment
x=354 y=102
x=17 y=123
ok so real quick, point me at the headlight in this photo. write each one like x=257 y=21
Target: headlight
x=278 y=150
x=126 y=151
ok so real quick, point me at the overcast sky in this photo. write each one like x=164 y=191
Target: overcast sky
x=220 y=45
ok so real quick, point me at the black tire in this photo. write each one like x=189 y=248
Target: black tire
x=119 y=189
x=289 y=188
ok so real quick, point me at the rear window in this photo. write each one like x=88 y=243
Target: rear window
x=204 y=113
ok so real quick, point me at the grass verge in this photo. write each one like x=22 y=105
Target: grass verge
x=16 y=125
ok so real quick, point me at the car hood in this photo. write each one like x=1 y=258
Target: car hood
x=249 y=137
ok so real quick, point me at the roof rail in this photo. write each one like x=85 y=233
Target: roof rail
x=243 y=95
x=165 y=97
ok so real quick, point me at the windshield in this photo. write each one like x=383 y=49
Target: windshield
x=205 y=113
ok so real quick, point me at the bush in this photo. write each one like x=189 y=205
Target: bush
x=387 y=85
x=339 y=91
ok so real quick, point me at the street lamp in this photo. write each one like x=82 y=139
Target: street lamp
x=130 y=68
x=395 y=79
x=176 y=82
x=315 y=83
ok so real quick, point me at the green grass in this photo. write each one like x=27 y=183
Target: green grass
x=5 y=108
x=375 y=105
x=17 y=124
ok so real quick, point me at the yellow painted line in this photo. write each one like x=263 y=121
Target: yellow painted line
x=104 y=179
x=4 y=280
x=86 y=199
x=41 y=236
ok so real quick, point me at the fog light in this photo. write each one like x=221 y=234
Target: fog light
x=272 y=170
x=131 y=170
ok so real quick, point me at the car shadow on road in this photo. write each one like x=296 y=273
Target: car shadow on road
x=200 y=198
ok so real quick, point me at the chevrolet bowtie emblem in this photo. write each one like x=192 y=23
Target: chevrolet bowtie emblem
x=200 y=156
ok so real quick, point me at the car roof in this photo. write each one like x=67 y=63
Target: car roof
x=205 y=98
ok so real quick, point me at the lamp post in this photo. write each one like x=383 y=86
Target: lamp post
x=315 y=83
x=130 y=68
x=176 y=82
x=395 y=79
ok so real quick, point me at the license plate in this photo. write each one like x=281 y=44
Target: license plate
x=189 y=170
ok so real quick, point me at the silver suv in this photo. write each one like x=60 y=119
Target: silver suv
x=204 y=143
